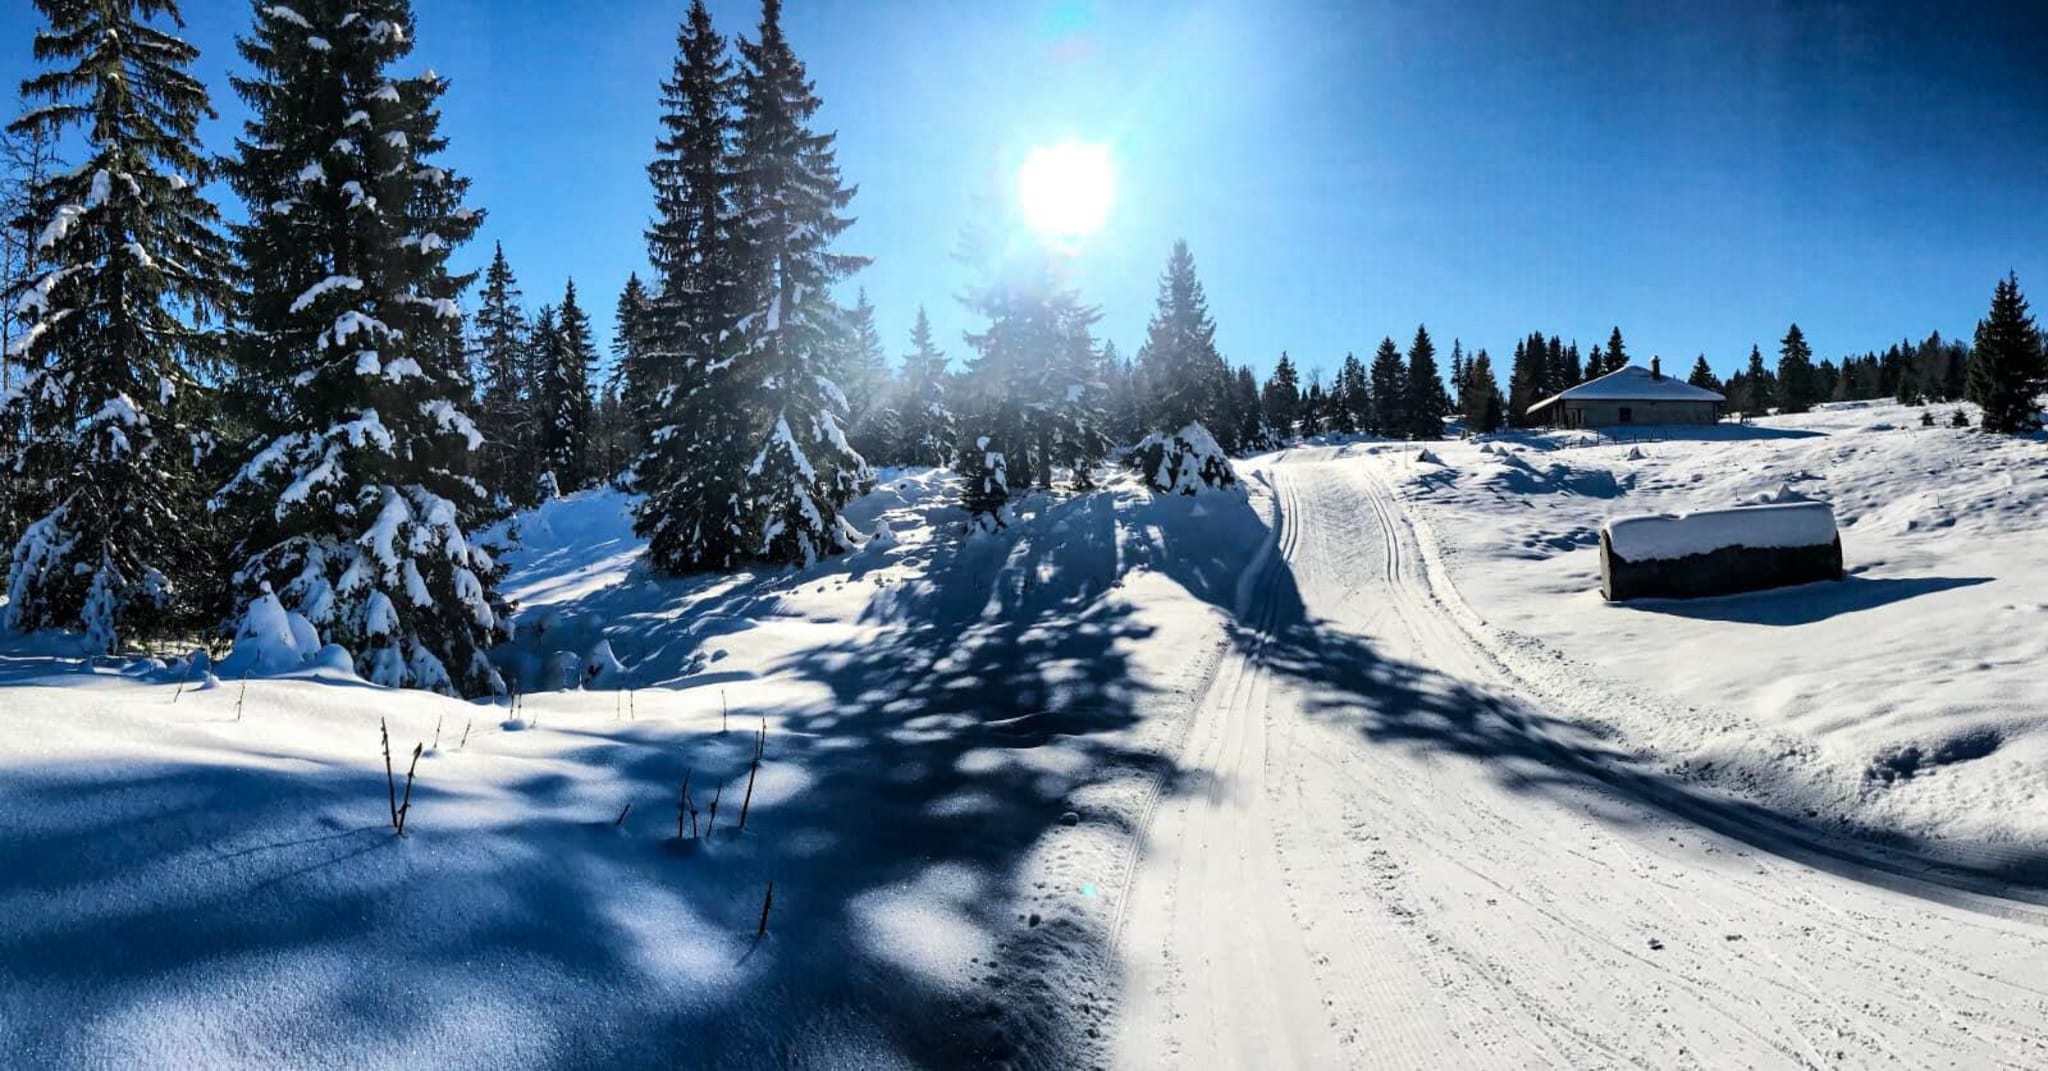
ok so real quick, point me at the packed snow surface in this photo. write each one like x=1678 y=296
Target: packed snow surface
x=1663 y=536
x=1353 y=768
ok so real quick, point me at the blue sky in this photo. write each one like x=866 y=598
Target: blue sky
x=1342 y=170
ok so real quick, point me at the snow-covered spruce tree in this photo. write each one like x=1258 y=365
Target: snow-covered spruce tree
x=695 y=382
x=504 y=369
x=2007 y=370
x=1762 y=393
x=1797 y=381
x=1428 y=403
x=1027 y=389
x=565 y=354
x=1617 y=354
x=1250 y=432
x=927 y=428
x=1280 y=400
x=1186 y=378
x=129 y=263
x=984 y=484
x=1482 y=395
x=1702 y=375
x=1389 y=392
x=356 y=505
x=803 y=470
x=874 y=421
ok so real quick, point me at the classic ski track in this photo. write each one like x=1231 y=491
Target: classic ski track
x=1258 y=870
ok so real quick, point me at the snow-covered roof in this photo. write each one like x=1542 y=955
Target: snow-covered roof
x=1633 y=383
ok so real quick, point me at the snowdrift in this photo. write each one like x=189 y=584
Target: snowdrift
x=1718 y=552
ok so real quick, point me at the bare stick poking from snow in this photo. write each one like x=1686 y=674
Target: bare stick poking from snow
x=711 y=823
x=405 y=806
x=186 y=676
x=390 y=776
x=240 y=696
x=760 y=742
x=465 y=734
x=437 y=731
x=632 y=711
x=682 y=804
x=621 y=819
x=766 y=903
x=724 y=712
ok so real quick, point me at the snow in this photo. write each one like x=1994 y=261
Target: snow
x=324 y=287
x=1803 y=697
x=1350 y=768
x=286 y=14
x=1634 y=383
x=270 y=642
x=1665 y=536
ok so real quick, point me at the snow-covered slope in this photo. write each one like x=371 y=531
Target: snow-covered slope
x=961 y=735
x=1909 y=701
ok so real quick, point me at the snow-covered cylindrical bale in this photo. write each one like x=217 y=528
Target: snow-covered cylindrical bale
x=1719 y=552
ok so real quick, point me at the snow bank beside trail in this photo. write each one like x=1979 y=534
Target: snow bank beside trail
x=1904 y=702
x=1664 y=536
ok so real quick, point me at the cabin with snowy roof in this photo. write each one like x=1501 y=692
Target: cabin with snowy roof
x=1630 y=396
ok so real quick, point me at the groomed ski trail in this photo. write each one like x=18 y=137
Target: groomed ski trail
x=1377 y=852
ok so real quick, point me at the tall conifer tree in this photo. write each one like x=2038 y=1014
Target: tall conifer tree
x=1185 y=375
x=1389 y=392
x=694 y=385
x=127 y=259
x=2007 y=369
x=356 y=506
x=928 y=428
x=803 y=470
x=1427 y=403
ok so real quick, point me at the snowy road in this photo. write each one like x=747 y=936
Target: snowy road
x=1379 y=853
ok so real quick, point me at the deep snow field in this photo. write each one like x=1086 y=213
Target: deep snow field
x=966 y=741
x=185 y=887
x=1907 y=703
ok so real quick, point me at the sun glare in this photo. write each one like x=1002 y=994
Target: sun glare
x=1067 y=189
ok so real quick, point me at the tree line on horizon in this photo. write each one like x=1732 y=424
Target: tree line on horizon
x=200 y=418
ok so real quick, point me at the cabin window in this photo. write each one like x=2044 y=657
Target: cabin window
x=1628 y=416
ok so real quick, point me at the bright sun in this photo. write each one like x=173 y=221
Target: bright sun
x=1067 y=189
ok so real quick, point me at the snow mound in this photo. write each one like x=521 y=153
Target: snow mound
x=1666 y=536
x=1189 y=463
x=602 y=668
x=271 y=641
x=1635 y=453
x=1427 y=458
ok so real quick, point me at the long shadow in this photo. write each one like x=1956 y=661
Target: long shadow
x=1806 y=603
x=1391 y=702
x=516 y=925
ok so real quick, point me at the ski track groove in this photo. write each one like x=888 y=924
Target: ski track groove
x=1305 y=897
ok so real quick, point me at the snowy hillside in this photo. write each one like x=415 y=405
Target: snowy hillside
x=959 y=736
x=1908 y=701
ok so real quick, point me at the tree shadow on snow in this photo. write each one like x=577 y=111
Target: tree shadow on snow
x=187 y=910
x=1349 y=682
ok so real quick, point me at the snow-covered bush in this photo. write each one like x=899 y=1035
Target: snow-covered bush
x=270 y=640
x=1188 y=462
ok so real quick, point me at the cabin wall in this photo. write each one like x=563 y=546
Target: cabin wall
x=1605 y=414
